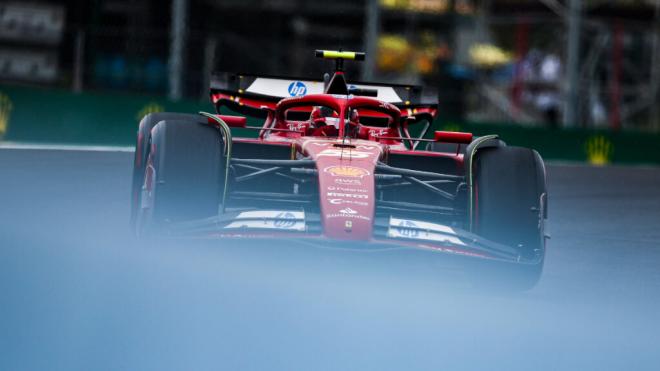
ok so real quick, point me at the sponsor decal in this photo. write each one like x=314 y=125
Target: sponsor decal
x=277 y=87
x=344 y=181
x=344 y=153
x=344 y=189
x=599 y=150
x=378 y=132
x=407 y=229
x=297 y=126
x=289 y=225
x=285 y=220
x=325 y=143
x=269 y=219
x=348 y=213
x=270 y=214
x=348 y=210
x=344 y=215
x=340 y=201
x=297 y=89
x=347 y=171
x=402 y=228
x=347 y=195
x=395 y=222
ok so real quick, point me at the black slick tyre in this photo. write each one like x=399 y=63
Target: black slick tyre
x=147 y=123
x=184 y=175
x=510 y=208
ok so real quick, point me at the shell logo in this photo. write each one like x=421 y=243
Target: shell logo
x=151 y=107
x=347 y=171
x=5 y=113
x=599 y=150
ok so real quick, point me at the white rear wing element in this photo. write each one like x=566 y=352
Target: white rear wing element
x=273 y=88
x=284 y=88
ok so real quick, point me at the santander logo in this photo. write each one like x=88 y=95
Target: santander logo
x=348 y=210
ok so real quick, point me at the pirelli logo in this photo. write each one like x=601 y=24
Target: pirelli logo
x=6 y=107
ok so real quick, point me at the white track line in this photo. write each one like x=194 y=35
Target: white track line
x=131 y=149
x=65 y=147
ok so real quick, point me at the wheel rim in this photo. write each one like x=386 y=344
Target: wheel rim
x=146 y=207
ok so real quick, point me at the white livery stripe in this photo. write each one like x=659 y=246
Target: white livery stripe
x=291 y=88
x=269 y=219
x=298 y=226
x=271 y=214
x=64 y=147
x=394 y=222
x=419 y=230
x=280 y=87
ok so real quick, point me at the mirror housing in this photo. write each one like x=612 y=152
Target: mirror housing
x=453 y=137
x=234 y=121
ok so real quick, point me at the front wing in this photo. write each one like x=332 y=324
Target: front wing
x=389 y=233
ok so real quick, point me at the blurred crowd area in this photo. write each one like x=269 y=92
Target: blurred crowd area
x=491 y=60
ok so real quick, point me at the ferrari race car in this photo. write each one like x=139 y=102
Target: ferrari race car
x=338 y=163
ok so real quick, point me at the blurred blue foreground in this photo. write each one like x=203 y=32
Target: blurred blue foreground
x=79 y=293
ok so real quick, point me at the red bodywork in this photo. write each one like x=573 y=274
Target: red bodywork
x=346 y=162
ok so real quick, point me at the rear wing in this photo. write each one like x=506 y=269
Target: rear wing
x=248 y=94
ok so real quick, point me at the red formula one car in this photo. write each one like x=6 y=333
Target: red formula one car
x=337 y=164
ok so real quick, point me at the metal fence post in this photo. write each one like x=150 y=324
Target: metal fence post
x=371 y=39
x=209 y=63
x=655 y=70
x=573 y=63
x=177 y=51
x=79 y=62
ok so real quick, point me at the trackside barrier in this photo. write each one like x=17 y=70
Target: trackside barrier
x=33 y=115
x=57 y=116
x=594 y=147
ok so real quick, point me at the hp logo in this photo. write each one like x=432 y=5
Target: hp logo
x=297 y=89
x=285 y=220
x=407 y=229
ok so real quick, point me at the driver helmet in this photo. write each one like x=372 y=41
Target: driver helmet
x=354 y=117
x=317 y=118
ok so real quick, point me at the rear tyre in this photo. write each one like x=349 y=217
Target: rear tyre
x=510 y=208
x=184 y=176
x=141 y=150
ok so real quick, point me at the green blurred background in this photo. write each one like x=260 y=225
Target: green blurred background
x=577 y=80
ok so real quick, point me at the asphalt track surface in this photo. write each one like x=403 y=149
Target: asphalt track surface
x=78 y=293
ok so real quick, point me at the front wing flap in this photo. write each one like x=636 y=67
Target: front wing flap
x=388 y=232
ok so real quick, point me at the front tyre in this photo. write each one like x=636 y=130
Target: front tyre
x=184 y=175
x=509 y=207
x=147 y=123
